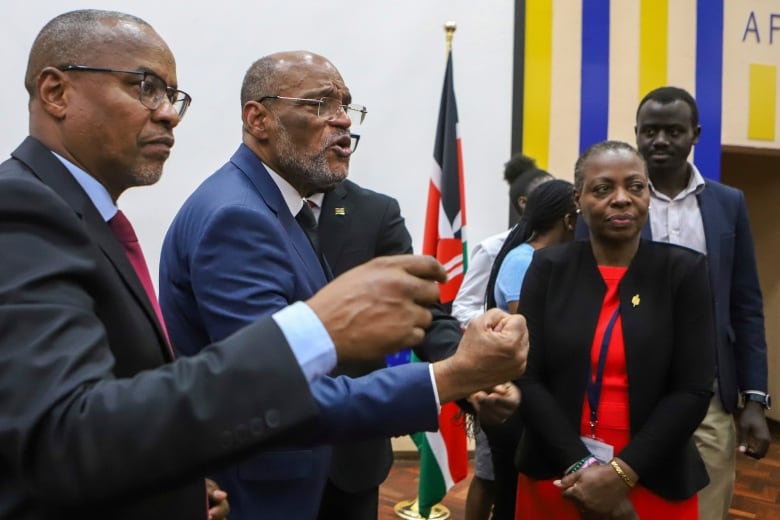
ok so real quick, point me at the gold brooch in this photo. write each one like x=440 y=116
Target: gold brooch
x=635 y=300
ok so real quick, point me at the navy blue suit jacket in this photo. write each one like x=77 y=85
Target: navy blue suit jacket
x=234 y=253
x=738 y=305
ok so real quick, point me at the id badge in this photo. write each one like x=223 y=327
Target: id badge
x=601 y=450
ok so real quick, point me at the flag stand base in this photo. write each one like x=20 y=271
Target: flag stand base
x=408 y=510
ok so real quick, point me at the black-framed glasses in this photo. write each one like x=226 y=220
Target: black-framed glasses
x=328 y=108
x=153 y=89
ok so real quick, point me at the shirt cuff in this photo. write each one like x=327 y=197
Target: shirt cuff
x=308 y=339
x=435 y=389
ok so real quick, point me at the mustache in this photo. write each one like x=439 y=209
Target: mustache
x=340 y=138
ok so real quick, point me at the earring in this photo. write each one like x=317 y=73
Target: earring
x=578 y=211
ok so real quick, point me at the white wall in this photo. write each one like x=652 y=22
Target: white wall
x=391 y=54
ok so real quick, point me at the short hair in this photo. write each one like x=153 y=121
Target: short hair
x=259 y=80
x=598 y=148
x=70 y=39
x=666 y=95
x=517 y=165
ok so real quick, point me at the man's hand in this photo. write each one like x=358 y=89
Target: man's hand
x=496 y=405
x=218 y=504
x=379 y=307
x=752 y=431
x=493 y=349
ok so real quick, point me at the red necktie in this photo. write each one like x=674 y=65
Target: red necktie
x=126 y=235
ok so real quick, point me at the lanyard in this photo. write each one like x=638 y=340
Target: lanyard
x=594 y=387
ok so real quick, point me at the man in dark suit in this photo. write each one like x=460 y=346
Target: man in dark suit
x=356 y=225
x=235 y=252
x=97 y=419
x=711 y=218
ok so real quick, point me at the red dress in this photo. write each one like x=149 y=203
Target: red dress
x=540 y=499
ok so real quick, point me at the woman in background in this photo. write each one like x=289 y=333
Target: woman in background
x=549 y=218
x=621 y=363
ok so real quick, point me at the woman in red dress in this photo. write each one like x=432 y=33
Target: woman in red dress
x=621 y=362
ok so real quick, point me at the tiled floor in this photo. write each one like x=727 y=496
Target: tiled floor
x=757 y=494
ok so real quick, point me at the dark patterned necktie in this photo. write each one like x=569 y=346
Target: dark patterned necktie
x=308 y=223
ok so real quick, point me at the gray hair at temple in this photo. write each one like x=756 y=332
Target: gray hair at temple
x=259 y=79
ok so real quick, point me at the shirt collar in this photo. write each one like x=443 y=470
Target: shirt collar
x=96 y=192
x=316 y=198
x=695 y=185
x=292 y=199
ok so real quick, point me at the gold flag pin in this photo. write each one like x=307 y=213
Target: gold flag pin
x=339 y=212
x=635 y=300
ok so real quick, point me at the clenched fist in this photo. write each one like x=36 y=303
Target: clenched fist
x=493 y=350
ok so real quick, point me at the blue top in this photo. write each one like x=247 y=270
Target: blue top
x=511 y=275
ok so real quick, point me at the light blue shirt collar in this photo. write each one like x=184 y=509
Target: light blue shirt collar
x=96 y=192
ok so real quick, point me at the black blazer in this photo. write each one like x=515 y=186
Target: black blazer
x=355 y=225
x=87 y=429
x=739 y=308
x=670 y=351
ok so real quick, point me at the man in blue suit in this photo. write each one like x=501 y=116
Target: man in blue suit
x=236 y=252
x=97 y=420
x=707 y=216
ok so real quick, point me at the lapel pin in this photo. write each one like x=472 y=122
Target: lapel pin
x=635 y=300
x=339 y=212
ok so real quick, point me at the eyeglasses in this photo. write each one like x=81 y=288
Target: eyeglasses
x=328 y=108
x=153 y=89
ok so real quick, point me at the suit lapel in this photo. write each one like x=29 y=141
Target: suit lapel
x=335 y=223
x=711 y=216
x=53 y=173
x=251 y=166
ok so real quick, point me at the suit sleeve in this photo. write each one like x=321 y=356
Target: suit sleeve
x=746 y=308
x=240 y=272
x=443 y=335
x=543 y=416
x=71 y=431
x=682 y=408
x=394 y=238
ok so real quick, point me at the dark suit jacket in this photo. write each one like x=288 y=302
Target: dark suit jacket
x=87 y=429
x=235 y=253
x=739 y=309
x=669 y=344
x=356 y=225
x=738 y=305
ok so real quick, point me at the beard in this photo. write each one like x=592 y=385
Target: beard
x=311 y=173
x=146 y=176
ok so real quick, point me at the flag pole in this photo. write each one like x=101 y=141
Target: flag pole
x=409 y=509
